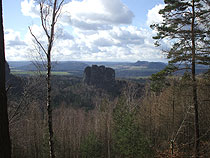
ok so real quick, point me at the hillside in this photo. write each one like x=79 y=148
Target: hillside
x=76 y=68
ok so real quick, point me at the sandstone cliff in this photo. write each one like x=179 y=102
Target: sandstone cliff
x=99 y=76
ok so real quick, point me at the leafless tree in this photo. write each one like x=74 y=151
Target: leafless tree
x=49 y=14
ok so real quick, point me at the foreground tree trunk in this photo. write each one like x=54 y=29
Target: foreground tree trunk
x=5 y=145
x=49 y=108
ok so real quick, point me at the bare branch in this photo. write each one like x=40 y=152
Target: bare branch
x=59 y=7
x=58 y=11
x=181 y=125
x=44 y=19
x=37 y=41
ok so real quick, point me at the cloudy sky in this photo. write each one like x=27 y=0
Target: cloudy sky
x=88 y=30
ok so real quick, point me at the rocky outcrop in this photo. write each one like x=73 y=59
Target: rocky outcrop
x=7 y=70
x=99 y=76
x=14 y=82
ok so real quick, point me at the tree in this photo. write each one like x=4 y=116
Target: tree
x=186 y=24
x=49 y=13
x=91 y=146
x=159 y=80
x=5 y=145
x=127 y=136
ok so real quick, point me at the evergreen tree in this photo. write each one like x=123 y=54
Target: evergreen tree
x=127 y=136
x=186 y=25
x=91 y=147
x=159 y=80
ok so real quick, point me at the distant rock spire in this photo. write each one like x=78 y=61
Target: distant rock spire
x=99 y=76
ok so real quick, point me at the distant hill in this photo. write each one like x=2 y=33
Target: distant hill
x=122 y=69
x=69 y=66
x=76 y=68
x=56 y=66
x=15 y=64
x=150 y=65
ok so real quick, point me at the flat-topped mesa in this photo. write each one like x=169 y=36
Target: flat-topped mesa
x=99 y=76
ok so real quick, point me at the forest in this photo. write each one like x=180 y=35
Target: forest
x=164 y=114
x=151 y=119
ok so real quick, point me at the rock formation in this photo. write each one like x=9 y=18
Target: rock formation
x=7 y=70
x=14 y=82
x=99 y=76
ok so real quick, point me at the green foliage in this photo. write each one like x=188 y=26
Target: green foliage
x=159 y=80
x=186 y=76
x=185 y=21
x=128 y=139
x=71 y=91
x=91 y=147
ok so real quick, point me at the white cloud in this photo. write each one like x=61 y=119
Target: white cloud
x=96 y=14
x=118 y=44
x=14 y=46
x=29 y=8
x=87 y=14
x=153 y=15
x=12 y=38
x=97 y=32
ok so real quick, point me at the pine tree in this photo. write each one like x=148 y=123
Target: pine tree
x=186 y=25
x=91 y=147
x=128 y=139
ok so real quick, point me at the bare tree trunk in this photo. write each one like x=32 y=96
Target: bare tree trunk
x=49 y=29
x=5 y=144
x=49 y=106
x=195 y=100
x=49 y=109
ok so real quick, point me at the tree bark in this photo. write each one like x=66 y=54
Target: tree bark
x=5 y=144
x=49 y=106
x=49 y=29
x=194 y=91
x=49 y=109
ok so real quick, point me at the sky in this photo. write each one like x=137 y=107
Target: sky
x=87 y=30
